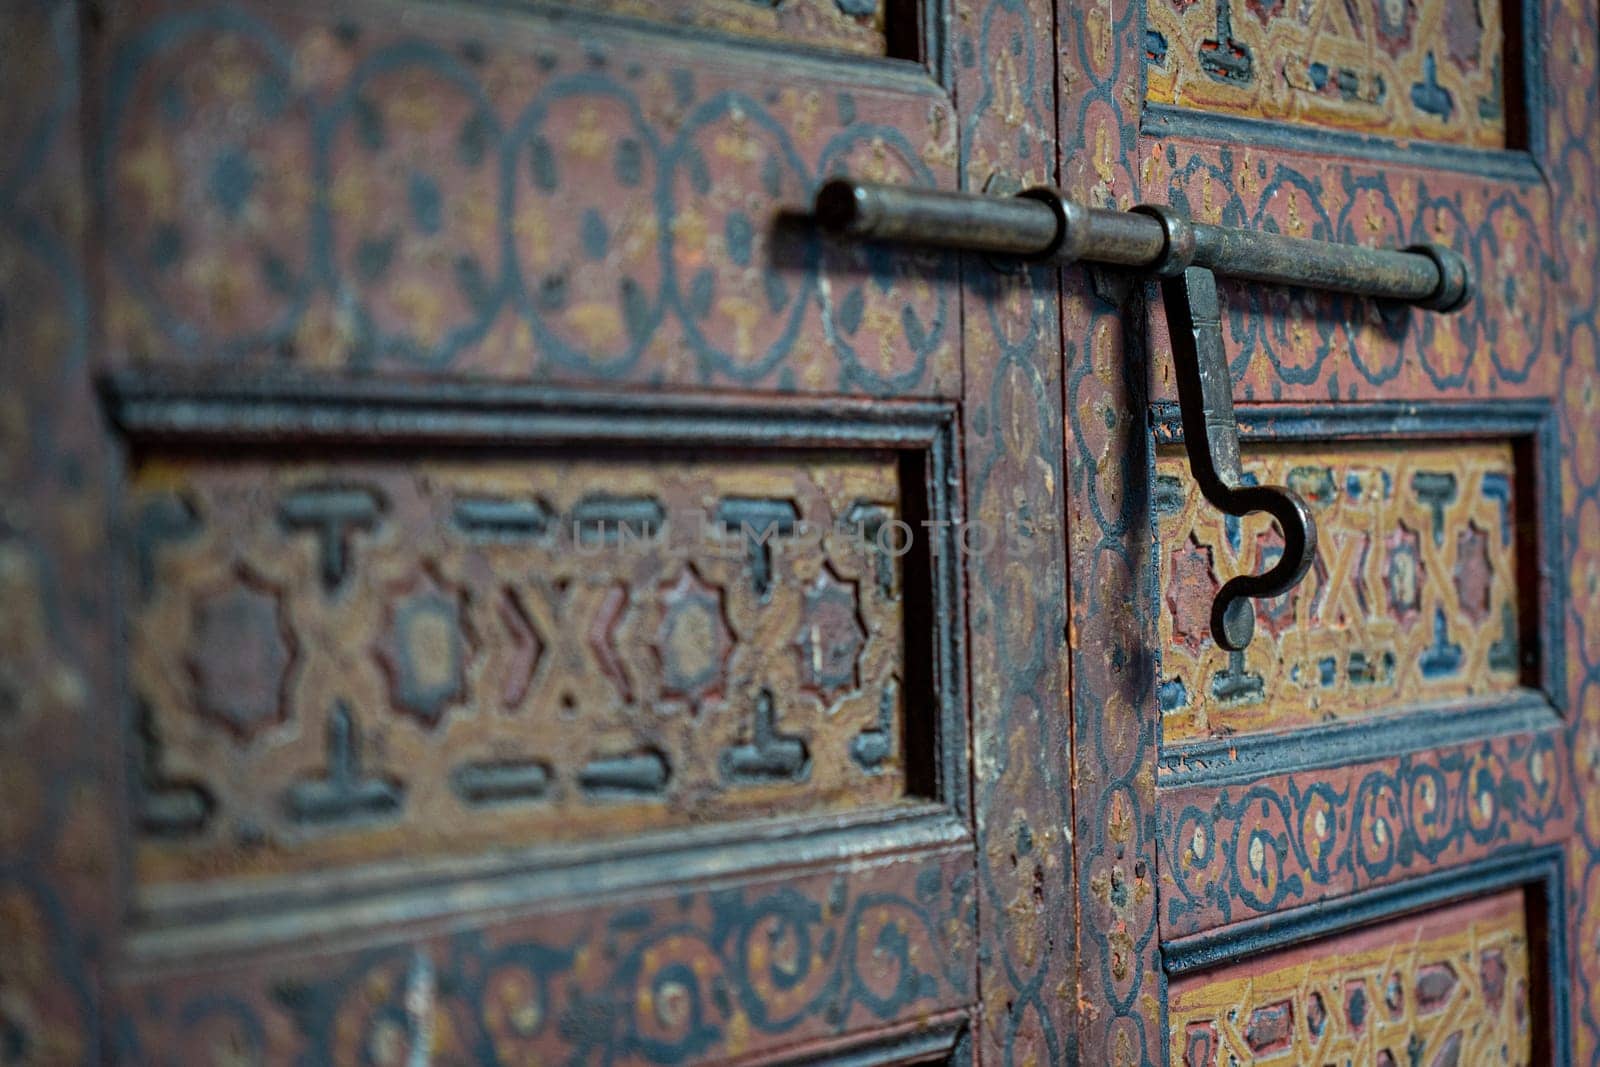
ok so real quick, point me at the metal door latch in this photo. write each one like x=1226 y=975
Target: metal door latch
x=1043 y=224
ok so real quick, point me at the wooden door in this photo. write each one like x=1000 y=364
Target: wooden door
x=483 y=581
x=1368 y=837
x=457 y=602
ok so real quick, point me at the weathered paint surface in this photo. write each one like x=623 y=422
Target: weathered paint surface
x=1412 y=598
x=858 y=27
x=746 y=970
x=246 y=163
x=1455 y=985
x=468 y=194
x=351 y=661
x=1236 y=852
x=1531 y=333
x=1432 y=69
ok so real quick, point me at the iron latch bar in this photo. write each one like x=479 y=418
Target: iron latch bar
x=1043 y=224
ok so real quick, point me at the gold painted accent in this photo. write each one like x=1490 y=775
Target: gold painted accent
x=1363 y=67
x=451 y=646
x=1360 y=634
x=817 y=23
x=1457 y=977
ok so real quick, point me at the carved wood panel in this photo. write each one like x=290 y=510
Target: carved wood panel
x=1456 y=985
x=1414 y=596
x=856 y=27
x=1432 y=69
x=370 y=658
x=479 y=192
x=876 y=963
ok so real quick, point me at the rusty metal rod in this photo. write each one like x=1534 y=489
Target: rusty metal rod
x=1043 y=223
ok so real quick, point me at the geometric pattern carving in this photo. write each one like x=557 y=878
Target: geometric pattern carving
x=830 y=637
x=1450 y=986
x=424 y=649
x=1417 y=68
x=521 y=651
x=1406 y=602
x=241 y=656
x=693 y=643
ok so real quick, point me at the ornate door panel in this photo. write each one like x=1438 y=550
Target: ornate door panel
x=1363 y=836
x=509 y=568
x=487 y=582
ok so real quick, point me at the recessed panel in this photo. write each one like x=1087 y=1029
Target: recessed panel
x=1429 y=69
x=1413 y=598
x=1452 y=986
x=857 y=27
x=347 y=660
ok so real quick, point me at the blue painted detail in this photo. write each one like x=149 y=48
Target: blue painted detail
x=700 y=294
x=642 y=307
x=1172 y=694
x=174 y=103
x=275 y=273
x=596 y=238
x=1364 y=671
x=472 y=143
x=1428 y=95
x=1319 y=74
x=1497 y=487
x=1356 y=1006
x=233 y=179
x=552 y=293
x=772 y=176
x=1489 y=106
x=850 y=310
x=694 y=165
x=373 y=256
x=882 y=266
x=481 y=294
x=427 y=205
x=911 y=326
x=1327 y=670
x=739 y=235
x=1230 y=523
x=1166 y=496
x=857 y=8
x=1236 y=685
x=369 y=124
x=1155 y=47
x=1437 y=490
x=683 y=91
x=1315 y=484
x=166 y=247
x=542 y=165
x=638 y=315
x=777 y=291
x=628 y=162
x=1442 y=658
x=1503 y=653
x=272 y=96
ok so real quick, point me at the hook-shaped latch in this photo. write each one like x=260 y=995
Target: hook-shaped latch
x=1211 y=437
x=1042 y=223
